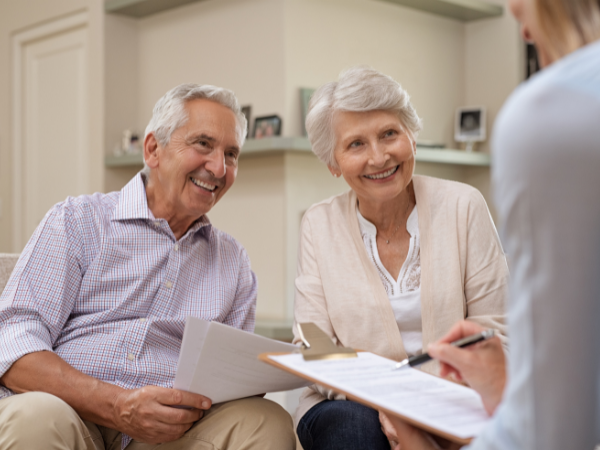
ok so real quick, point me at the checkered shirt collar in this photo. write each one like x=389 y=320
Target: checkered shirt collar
x=133 y=204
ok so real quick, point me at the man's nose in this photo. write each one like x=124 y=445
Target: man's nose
x=216 y=164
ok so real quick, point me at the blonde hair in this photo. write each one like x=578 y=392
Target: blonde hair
x=568 y=24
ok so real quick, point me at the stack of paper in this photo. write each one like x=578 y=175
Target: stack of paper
x=221 y=363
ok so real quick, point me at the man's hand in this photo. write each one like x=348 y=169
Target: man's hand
x=155 y=415
x=146 y=414
x=482 y=366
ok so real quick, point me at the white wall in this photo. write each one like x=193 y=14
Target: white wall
x=425 y=53
x=265 y=50
x=494 y=63
x=307 y=182
x=237 y=44
x=121 y=72
x=253 y=211
x=263 y=210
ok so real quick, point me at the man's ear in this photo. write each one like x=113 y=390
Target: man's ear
x=151 y=151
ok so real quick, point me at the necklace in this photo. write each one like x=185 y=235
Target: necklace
x=387 y=241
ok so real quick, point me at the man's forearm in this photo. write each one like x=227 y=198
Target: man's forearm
x=47 y=372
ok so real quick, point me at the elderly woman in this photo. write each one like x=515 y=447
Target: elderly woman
x=392 y=264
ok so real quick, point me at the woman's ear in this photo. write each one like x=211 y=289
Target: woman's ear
x=335 y=172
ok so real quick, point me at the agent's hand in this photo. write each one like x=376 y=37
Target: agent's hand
x=482 y=365
x=148 y=414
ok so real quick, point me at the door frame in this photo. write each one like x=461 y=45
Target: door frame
x=19 y=41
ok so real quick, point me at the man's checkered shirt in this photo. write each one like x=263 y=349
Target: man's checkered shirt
x=107 y=287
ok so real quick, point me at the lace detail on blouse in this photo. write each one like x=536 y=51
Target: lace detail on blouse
x=409 y=278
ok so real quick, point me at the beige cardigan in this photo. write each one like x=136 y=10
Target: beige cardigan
x=463 y=273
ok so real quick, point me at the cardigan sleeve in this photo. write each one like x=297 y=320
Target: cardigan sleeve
x=309 y=303
x=310 y=306
x=486 y=270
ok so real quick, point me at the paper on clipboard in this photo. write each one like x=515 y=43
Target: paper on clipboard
x=221 y=363
x=452 y=410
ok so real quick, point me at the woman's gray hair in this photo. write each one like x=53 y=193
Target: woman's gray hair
x=358 y=89
x=169 y=111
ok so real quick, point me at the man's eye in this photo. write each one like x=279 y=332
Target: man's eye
x=232 y=155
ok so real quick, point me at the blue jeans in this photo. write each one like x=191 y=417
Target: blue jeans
x=341 y=425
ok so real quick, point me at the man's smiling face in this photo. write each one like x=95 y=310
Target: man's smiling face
x=199 y=164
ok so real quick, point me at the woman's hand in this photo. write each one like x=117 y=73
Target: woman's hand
x=329 y=394
x=389 y=431
x=403 y=436
x=482 y=366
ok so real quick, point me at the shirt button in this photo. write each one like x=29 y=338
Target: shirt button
x=176 y=247
x=130 y=357
x=157 y=223
x=169 y=284
x=142 y=319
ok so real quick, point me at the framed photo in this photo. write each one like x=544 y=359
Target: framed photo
x=267 y=126
x=305 y=95
x=470 y=124
x=247 y=111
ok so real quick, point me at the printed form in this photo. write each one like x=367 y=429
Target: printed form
x=432 y=401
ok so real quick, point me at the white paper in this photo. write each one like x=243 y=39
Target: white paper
x=221 y=363
x=430 y=400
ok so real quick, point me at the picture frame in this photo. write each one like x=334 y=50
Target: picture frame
x=470 y=125
x=305 y=95
x=247 y=111
x=266 y=126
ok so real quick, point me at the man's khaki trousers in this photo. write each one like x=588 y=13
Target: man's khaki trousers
x=37 y=420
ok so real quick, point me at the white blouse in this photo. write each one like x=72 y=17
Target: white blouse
x=405 y=292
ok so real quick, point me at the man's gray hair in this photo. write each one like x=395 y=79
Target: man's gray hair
x=169 y=111
x=358 y=89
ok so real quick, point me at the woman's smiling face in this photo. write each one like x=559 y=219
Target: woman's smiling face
x=374 y=152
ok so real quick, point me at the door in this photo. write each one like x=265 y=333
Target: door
x=51 y=135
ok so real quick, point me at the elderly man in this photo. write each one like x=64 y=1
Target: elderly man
x=92 y=318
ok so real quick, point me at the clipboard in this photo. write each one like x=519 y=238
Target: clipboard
x=314 y=341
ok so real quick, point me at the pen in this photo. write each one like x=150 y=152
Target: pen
x=417 y=360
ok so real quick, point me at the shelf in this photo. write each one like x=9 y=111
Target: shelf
x=124 y=160
x=463 y=10
x=142 y=8
x=251 y=147
x=276 y=143
x=279 y=330
x=457 y=157
x=301 y=144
